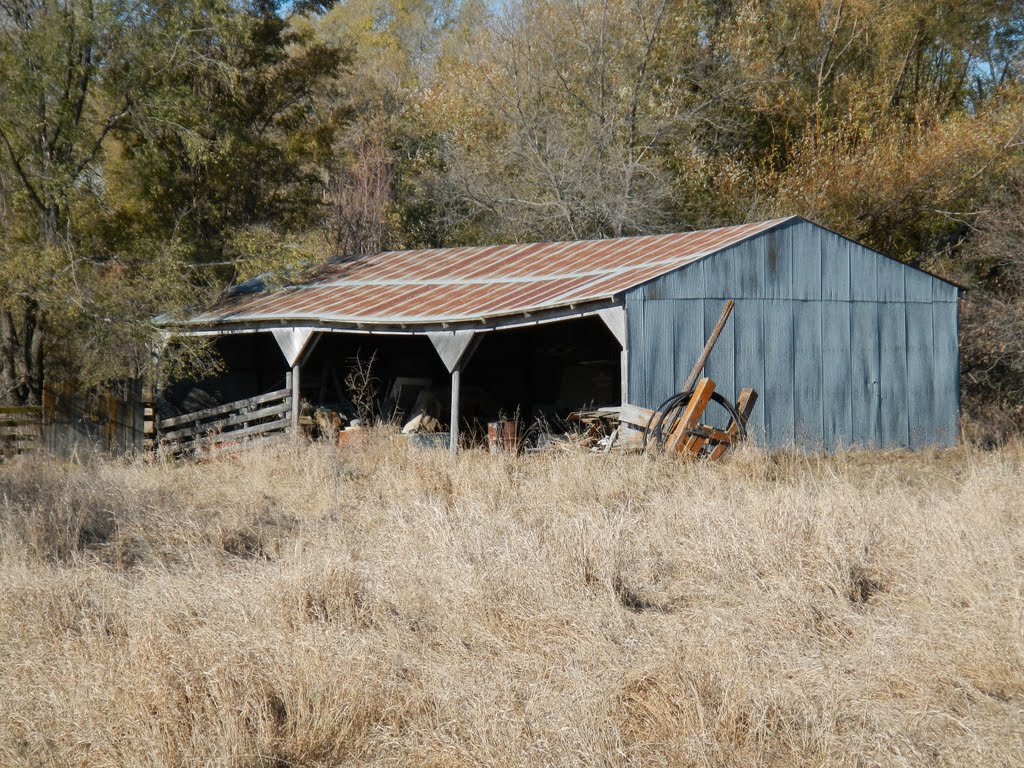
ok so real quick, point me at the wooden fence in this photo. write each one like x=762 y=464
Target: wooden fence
x=82 y=422
x=226 y=428
x=20 y=429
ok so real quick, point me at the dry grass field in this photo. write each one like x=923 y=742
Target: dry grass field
x=390 y=607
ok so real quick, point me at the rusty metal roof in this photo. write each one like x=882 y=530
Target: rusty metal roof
x=455 y=285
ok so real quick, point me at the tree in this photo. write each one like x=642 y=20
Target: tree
x=385 y=159
x=66 y=85
x=126 y=132
x=992 y=342
x=553 y=118
x=228 y=152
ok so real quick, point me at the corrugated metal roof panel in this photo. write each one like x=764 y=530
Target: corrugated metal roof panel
x=463 y=284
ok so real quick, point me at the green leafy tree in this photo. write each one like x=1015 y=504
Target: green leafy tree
x=146 y=151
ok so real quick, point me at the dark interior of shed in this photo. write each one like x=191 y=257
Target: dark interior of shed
x=529 y=374
x=248 y=364
x=542 y=372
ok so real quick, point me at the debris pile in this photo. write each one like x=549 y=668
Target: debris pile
x=680 y=424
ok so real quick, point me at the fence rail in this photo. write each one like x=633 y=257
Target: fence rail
x=20 y=429
x=226 y=428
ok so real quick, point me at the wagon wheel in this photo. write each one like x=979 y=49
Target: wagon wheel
x=666 y=430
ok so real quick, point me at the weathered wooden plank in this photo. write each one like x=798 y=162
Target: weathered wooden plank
x=18 y=439
x=744 y=406
x=703 y=435
x=256 y=429
x=200 y=442
x=693 y=445
x=629 y=440
x=221 y=424
x=633 y=415
x=278 y=438
x=14 y=430
x=721 y=362
x=692 y=413
x=24 y=426
x=223 y=409
x=710 y=433
x=27 y=410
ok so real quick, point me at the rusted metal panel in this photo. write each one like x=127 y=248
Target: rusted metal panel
x=469 y=284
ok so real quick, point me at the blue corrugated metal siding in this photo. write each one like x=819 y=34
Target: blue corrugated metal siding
x=685 y=320
x=866 y=376
x=846 y=347
x=892 y=327
x=661 y=345
x=946 y=358
x=837 y=375
x=748 y=328
x=920 y=381
x=779 y=355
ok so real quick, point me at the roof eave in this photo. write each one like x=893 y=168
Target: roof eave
x=391 y=326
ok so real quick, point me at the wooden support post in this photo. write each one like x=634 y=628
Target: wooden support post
x=453 y=444
x=706 y=353
x=294 y=381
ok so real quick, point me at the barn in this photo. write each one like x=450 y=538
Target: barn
x=846 y=346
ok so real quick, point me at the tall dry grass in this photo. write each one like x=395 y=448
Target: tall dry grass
x=392 y=607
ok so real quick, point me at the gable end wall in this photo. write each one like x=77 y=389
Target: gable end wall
x=846 y=347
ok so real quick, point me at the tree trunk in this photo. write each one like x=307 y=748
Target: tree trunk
x=21 y=355
x=8 y=343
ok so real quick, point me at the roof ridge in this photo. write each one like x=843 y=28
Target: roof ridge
x=339 y=259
